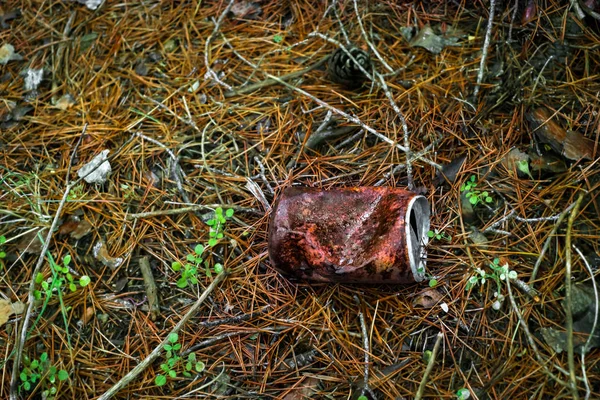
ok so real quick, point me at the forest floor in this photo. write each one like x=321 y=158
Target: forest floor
x=139 y=167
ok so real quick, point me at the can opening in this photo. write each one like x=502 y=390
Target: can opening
x=417 y=226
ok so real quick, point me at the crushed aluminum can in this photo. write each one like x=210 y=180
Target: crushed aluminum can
x=351 y=235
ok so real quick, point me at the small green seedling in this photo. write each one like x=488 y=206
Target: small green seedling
x=2 y=252
x=499 y=273
x=40 y=371
x=432 y=281
x=174 y=359
x=195 y=261
x=463 y=394
x=217 y=225
x=473 y=195
x=62 y=276
x=437 y=235
x=2 y=241
x=278 y=38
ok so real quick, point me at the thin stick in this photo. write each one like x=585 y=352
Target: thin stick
x=22 y=337
x=150 y=286
x=569 y=299
x=131 y=375
x=365 y=337
x=340 y=112
x=198 y=207
x=271 y=82
x=530 y=339
x=176 y=171
x=586 y=347
x=430 y=364
x=486 y=46
x=209 y=70
x=366 y=38
x=559 y=220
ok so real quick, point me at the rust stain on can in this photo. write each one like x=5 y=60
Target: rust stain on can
x=355 y=235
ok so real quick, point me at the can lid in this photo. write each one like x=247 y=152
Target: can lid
x=417 y=225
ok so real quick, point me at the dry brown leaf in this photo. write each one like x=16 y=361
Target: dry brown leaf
x=304 y=390
x=101 y=254
x=576 y=146
x=87 y=315
x=427 y=299
x=246 y=10
x=65 y=102
x=571 y=145
x=82 y=229
x=30 y=243
x=7 y=309
x=547 y=129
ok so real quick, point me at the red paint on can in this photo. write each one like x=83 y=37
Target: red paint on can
x=355 y=235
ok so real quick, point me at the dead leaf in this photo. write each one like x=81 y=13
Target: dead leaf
x=576 y=146
x=571 y=145
x=516 y=160
x=547 y=163
x=75 y=227
x=304 y=390
x=246 y=10
x=7 y=309
x=478 y=238
x=101 y=254
x=584 y=310
x=65 y=102
x=30 y=243
x=7 y=54
x=427 y=39
x=427 y=299
x=82 y=229
x=87 y=315
x=97 y=170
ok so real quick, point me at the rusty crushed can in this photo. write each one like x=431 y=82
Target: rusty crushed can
x=350 y=235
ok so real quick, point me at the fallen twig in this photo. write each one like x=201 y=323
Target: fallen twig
x=150 y=287
x=365 y=337
x=22 y=336
x=530 y=339
x=559 y=220
x=569 y=298
x=430 y=365
x=131 y=375
x=198 y=207
x=209 y=70
x=486 y=46
x=270 y=82
x=586 y=347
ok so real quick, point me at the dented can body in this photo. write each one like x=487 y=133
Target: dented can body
x=354 y=235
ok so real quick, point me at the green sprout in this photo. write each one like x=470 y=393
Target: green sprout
x=278 y=38
x=2 y=252
x=61 y=275
x=2 y=241
x=432 y=281
x=40 y=371
x=463 y=394
x=499 y=273
x=473 y=195
x=196 y=261
x=217 y=224
x=174 y=358
x=438 y=235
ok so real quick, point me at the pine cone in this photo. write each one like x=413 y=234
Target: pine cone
x=344 y=71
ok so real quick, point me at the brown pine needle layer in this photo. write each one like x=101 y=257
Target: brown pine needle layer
x=187 y=97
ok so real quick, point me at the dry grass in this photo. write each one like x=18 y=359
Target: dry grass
x=132 y=79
